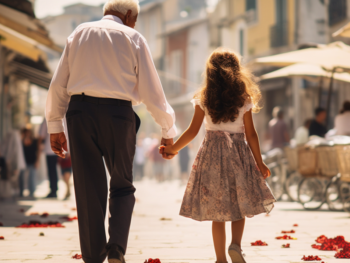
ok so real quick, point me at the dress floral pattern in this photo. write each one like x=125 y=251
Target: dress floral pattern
x=225 y=184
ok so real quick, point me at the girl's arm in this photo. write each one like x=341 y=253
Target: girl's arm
x=253 y=141
x=189 y=134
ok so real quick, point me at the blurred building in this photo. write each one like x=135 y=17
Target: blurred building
x=61 y=26
x=23 y=62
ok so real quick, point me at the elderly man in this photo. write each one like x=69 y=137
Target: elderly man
x=105 y=68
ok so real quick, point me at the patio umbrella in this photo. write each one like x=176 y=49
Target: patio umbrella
x=304 y=70
x=331 y=57
x=334 y=55
x=343 y=32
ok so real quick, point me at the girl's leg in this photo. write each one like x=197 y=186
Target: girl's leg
x=219 y=237
x=237 y=231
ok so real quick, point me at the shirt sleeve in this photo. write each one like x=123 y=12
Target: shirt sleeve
x=196 y=102
x=248 y=105
x=58 y=98
x=152 y=94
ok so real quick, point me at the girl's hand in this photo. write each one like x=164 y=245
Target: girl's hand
x=264 y=170
x=168 y=149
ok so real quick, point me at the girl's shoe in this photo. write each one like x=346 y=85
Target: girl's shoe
x=235 y=253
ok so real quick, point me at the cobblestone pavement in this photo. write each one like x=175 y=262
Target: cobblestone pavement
x=158 y=231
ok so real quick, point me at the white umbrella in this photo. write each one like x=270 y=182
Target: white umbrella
x=303 y=69
x=343 y=32
x=334 y=55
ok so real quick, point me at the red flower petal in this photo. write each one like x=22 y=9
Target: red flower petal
x=2 y=238
x=77 y=256
x=259 y=243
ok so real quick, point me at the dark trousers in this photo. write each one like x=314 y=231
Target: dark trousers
x=51 y=161
x=98 y=129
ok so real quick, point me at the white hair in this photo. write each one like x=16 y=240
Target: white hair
x=122 y=6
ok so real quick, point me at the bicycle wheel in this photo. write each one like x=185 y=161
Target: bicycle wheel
x=333 y=198
x=344 y=190
x=275 y=181
x=311 y=193
x=291 y=185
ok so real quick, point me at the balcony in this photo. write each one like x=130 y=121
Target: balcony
x=279 y=35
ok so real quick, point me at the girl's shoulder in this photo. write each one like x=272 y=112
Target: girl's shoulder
x=197 y=101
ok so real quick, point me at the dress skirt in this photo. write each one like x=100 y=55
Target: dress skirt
x=225 y=184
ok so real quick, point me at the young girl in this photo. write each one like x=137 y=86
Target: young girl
x=226 y=182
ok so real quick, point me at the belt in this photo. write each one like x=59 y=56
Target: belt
x=104 y=101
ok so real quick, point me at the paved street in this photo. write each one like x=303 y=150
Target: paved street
x=158 y=232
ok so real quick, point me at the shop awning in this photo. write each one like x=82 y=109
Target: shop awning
x=19 y=43
x=35 y=76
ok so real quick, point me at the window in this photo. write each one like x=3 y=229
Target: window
x=250 y=5
x=336 y=11
x=241 y=42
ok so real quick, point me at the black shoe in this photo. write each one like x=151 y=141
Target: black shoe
x=51 y=195
x=115 y=254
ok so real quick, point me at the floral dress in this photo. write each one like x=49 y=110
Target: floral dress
x=225 y=184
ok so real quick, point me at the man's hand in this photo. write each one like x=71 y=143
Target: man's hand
x=166 y=142
x=59 y=144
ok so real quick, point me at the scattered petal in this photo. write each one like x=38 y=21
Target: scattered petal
x=73 y=209
x=41 y=234
x=150 y=260
x=259 y=243
x=288 y=232
x=295 y=225
x=37 y=224
x=286 y=245
x=286 y=237
x=311 y=258
x=77 y=256
x=2 y=238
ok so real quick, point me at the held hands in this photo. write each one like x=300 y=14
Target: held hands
x=265 y=171
x=167 y=143
x=59 y=144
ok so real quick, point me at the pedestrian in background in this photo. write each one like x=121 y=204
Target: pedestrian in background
x=317 y=125
x=342 y=120
x=184 y=159
x=278 y=129
x=139 y=160
x=302 y=133
x=225 y=184
x=51 y=160
x=66 y=170
x=31 y=156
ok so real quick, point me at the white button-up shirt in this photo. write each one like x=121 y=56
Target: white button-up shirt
x=107 y=59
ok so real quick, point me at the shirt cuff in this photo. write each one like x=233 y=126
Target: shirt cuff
x=55 y=127
x=169 y=134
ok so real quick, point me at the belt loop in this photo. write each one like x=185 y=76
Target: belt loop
x=83 y=97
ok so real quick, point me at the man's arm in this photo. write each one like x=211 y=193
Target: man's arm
x=57 y=104
x=152 y=95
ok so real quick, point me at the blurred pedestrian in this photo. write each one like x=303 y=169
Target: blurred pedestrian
x=302 y=133
x=139 y=160
x=184 y=159
x=66 y=170
x=278 y=129
x=158 y=162
x=317 y=126
x=31 y=156
x=51 y=160
x=342 y=120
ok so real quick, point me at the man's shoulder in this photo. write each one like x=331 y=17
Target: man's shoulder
x=113 y=27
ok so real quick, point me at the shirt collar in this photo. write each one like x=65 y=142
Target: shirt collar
x=113 y=18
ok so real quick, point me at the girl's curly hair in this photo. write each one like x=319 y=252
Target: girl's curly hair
x=228 y=86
